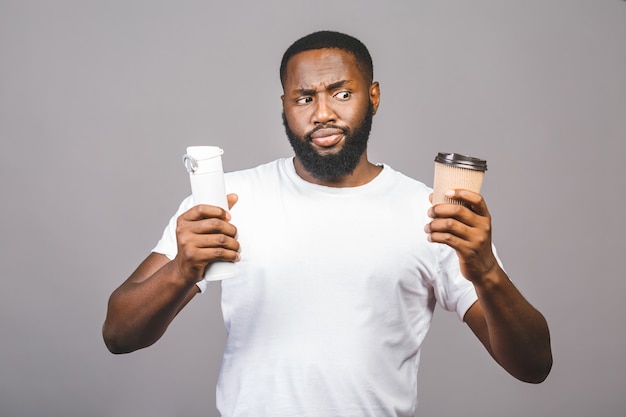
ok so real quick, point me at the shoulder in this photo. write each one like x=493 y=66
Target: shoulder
x=253 y=176
x=402 y=183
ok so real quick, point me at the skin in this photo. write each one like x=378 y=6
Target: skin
x=141 y=309
x=513 y=331
x=326 y=87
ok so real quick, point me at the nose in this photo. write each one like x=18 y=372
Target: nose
x=323 y=112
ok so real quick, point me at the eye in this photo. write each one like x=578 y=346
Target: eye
x=304 y=100
x=343 y=95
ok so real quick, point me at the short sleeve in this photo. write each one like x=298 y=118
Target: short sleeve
x=167 y=244
x=453 y=291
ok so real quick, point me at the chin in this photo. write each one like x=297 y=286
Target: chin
x=330 y=150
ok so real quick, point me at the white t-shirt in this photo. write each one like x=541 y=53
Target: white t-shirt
x=335 y=294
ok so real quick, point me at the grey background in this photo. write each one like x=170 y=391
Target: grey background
x=98 y=100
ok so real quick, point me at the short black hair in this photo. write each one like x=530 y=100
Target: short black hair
x=330 y=39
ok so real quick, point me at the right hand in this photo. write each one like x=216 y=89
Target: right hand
x=204 y=235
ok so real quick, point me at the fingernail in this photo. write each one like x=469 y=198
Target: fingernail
x=449 y=193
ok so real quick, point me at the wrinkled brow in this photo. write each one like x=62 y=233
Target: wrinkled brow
x=329 y=87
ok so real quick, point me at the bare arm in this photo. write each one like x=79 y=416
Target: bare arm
x=515 y=334
x=513 y=331
x=141 y=309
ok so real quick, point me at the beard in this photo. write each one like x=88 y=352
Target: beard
x=335 y=165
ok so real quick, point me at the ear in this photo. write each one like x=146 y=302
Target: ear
x=375 y=96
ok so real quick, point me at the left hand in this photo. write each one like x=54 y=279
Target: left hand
x=466 y=229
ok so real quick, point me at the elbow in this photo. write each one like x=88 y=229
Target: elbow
x=114 y=343
x=536 y=378
x=120 y=339
x=543 y=373
x=538 y=372
x=543 y=365
x=115 y=348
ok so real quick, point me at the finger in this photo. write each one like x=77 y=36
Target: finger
x=200 y=249
x=232 y=199
x=459 y=221
x=466 y=246
x=205 y=211
x=474 y=201
x=449 y=226
x=196 y=259
x=468 y=250
x=220 y=254
x=211 y=226
x=449 y=239
x=217 y=241
x=452 y=211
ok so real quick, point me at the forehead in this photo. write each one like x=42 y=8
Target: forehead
x=321 y=66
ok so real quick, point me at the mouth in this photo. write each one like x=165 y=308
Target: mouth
x=327 y=137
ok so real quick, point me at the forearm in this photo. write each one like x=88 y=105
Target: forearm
x=140 y=311
x=517 y=334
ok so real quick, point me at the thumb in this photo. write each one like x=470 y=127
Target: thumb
x=232 y=199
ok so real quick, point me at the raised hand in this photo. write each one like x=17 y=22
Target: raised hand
x=467 y=229
x=204 y=235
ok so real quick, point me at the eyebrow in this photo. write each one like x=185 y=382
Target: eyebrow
x=311 y=91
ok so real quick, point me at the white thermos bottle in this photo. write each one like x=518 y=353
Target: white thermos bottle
x=206 y=174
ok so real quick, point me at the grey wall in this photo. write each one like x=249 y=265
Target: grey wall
x=98 y=100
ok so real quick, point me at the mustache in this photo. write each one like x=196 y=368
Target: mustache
x=308 y=135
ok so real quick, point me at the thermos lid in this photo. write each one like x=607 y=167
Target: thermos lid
x=207 y=158
x=461 y=161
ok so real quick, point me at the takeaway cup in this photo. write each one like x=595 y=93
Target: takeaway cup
x=453 y=171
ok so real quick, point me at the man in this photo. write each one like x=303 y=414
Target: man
x=341 y=262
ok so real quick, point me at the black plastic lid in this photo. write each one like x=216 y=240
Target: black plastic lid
x=461 y=161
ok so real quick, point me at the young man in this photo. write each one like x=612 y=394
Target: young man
x=341 y=263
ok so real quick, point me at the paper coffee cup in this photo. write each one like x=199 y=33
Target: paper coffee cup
x=456 y=171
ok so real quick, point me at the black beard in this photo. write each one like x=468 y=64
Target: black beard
x=333 y=166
